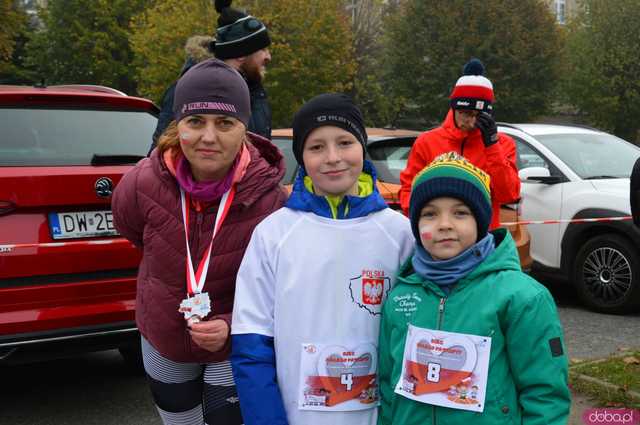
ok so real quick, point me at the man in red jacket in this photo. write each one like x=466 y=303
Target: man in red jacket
x=470 y=130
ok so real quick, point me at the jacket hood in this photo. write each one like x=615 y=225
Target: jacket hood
x=453 y=132
x=266 y=170
x=197 y=50
x=349 y=207
x=505 y=257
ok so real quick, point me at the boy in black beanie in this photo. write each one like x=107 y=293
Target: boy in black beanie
x=313 y=280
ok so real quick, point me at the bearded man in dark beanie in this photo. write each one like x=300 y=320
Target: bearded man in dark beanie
x=242 y=42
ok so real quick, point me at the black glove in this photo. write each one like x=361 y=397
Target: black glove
x=488 y=128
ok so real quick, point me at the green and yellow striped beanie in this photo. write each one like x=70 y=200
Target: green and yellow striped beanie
x=453 y=176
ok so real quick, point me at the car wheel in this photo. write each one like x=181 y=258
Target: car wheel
x=607 y=275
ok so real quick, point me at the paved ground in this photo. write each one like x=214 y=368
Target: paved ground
x=590 y=335
x=579 y=404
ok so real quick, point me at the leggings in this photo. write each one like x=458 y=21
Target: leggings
x=191 y=393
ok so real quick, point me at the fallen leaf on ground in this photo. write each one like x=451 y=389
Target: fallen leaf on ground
x=614 y=404
x=631 y=360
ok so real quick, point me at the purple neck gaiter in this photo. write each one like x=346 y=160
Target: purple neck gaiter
x=203 y=191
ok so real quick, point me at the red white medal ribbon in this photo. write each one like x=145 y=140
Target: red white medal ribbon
x=195 y=281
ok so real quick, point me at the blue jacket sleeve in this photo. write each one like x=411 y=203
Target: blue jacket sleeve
x=253 y=361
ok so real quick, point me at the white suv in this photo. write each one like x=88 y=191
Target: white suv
x=572 y=173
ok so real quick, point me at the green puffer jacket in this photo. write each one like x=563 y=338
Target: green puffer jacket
x=528 y=367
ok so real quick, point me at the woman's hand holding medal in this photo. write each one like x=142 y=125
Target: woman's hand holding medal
x=210 y=335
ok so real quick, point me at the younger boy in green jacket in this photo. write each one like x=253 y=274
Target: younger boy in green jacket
x=466 y=336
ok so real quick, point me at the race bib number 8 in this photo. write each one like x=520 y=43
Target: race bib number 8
x=433 y=374
x=445 y=368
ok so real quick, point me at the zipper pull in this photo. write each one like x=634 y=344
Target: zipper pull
x=441 y=312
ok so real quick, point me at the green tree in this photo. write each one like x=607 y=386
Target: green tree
x=312 y=52
x=427 y=43
x=85 y=42
x=378 y=107
x=13 y=24
x=158 y=36
x=602 y=75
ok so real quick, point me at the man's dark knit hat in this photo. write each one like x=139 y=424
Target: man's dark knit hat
x=334 y=109
x=238 y=34
x=451 y=175
x=212 y=87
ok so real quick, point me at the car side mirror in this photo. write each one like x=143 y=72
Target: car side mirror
x=538 y=174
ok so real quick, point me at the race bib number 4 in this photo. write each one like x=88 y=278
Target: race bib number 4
x=445 y=368
x=338 y=378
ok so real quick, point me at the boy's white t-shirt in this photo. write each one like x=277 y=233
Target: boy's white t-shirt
x=311 y=280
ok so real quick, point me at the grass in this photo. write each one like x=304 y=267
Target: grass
x=614 y=370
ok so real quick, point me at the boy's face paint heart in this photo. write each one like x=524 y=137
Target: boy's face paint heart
x=426 y=234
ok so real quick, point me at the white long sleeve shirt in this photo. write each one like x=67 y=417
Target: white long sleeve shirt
x=317 y=285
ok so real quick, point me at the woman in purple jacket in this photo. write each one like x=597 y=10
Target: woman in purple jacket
x=191 y=207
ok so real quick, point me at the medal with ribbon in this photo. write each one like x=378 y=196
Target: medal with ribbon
x=198 y=304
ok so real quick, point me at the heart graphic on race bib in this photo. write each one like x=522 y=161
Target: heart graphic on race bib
x=438 y=363
x=446 y=359
x=336 y=365
x=337 y=360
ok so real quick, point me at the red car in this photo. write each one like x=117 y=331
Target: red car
x=67 y=280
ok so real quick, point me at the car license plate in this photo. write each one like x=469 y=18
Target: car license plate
x=82 y=224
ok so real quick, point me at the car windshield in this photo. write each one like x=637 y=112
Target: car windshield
x=286 y=147
x=54 y=137
x=593 y=156
x=390 y=157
